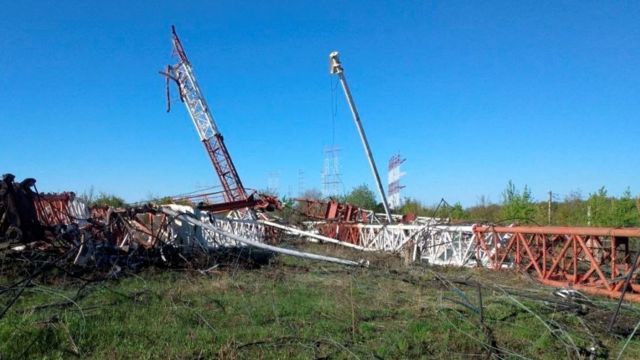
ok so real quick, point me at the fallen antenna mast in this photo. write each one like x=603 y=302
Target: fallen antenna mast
x=234 y=193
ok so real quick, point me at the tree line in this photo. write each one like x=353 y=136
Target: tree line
x=518 y=206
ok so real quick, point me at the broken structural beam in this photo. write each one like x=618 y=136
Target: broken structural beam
x=312 y=235
x=259 y=245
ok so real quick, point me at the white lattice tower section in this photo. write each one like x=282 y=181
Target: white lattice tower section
x=454 y=245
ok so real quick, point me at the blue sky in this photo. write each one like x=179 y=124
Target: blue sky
x=472 y=94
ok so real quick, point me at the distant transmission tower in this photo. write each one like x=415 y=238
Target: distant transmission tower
x=300 y=182
x=331 y=181
x=395 y=200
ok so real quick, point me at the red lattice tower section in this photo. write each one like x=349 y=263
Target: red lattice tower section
x=595 y=260
x=190 y=93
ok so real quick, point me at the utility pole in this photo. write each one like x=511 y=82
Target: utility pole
x=336 y=68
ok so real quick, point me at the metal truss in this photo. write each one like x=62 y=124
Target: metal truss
x=449 y=245
x=63 y=208
x=191 y=95
x=595 y=260
x=248 y=229
x=185 y=234
x=207 y=226
x=387 y=237
x=436 y=244
x=332 y=210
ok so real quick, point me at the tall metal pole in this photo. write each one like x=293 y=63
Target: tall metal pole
x=336 y=68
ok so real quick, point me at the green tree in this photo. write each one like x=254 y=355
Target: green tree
x=623 y=212
x=517 y=206
x=362 y=197
x=458 y=212
x=599 y=208
x=571 y=211
x=380 y=208
x=484 y=210
x=412 y=206
x=110 y=200
x=289 y=212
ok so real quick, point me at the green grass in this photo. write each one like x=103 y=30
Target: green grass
x=298 y=309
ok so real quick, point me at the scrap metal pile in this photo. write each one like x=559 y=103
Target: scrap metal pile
x=61 y=226
x=64 y=228
x=33 y=225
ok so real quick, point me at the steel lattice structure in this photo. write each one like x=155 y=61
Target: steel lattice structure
x=595 y=260
x=394 y=175
x=191 y=95
x=62 y=208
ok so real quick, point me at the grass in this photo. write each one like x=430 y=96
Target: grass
x=298 y=309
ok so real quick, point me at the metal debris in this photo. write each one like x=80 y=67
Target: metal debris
x=141 y=234
x=190 y=219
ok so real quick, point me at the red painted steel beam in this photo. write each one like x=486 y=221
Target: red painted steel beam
x=332 y=211
x=561 y=230
x=228 y=206
x=53 y=209
x=591 y=259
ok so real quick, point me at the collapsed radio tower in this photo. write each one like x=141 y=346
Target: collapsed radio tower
x=234 y=194
x=198 y=109
x=394 y=187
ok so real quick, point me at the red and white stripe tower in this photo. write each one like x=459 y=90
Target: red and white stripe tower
x=394 y=187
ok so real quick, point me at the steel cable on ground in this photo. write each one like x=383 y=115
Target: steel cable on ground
x=624 y=347
x=27 y=280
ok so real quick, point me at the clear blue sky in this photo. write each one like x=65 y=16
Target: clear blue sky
x=472 y=94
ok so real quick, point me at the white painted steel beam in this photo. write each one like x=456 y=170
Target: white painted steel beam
x=210 y=227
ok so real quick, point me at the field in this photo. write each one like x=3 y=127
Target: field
x=293 y=308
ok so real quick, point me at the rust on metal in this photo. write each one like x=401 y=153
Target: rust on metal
x=332 y=210
x=592 y=259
